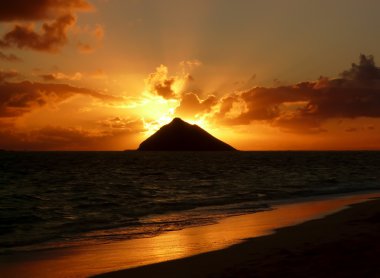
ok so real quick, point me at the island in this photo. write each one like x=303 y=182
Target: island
x=179 y=135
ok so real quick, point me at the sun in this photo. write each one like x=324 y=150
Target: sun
x=157 y=111
x=152 y=126
x=202 y=122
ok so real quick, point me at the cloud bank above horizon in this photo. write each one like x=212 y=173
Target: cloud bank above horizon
x=61 y=89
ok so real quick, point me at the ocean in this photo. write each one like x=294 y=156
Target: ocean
x=57 y=199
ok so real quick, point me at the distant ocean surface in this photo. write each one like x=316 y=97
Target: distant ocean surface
x=55 y=199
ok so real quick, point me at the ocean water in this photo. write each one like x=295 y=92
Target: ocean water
x=56 y=199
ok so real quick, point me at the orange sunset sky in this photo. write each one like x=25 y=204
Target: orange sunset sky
x=259 y=75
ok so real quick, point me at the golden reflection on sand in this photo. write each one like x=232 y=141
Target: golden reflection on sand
x=99 y=258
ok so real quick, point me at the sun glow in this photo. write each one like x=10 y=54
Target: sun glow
x=202 y=122
x=152 y=124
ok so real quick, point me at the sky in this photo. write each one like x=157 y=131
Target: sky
x=259 y=75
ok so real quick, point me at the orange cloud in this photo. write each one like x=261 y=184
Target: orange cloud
x=61 y=76
x=190 y=105
x=98 y=32
x=17 y=99
x=189 y=64
x=160 y=83
x=170 y=87
x=76 y=76
x=127 y=125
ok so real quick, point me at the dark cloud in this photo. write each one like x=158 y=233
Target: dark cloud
x=191 y=105
x=50 y=138
x=164 y=88
x=52 y=37
x=9 y=57
x=56 y=16
x=305 y=106
x=19 y=98
x=365 y=71
x=61 y=135
x=31 y=10
x=295 y=123
x=65 y=138
x=261 y=104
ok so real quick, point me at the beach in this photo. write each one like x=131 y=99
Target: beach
x=344 y=244
x=339 y=236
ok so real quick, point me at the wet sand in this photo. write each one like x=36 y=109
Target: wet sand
x=241 y=246
x=345 y=244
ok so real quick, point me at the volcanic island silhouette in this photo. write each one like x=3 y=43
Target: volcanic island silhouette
x=179 y=135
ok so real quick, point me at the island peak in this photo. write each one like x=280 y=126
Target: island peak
x=179 y=135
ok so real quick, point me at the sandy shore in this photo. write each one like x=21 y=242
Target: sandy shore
x=344 y=244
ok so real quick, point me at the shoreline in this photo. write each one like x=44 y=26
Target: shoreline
x=271 y=205
x=343 y=244
x=175 y=246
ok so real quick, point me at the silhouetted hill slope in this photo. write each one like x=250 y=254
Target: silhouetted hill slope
x=182 y=136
